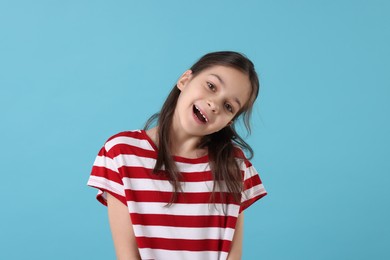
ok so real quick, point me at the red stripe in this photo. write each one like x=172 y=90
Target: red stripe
x=102 y=152
x=184 y=244
x=247 y=163
x=127 y=149
x=144 y=173
x=203 y=159
x=252 y=181
x=183 y=221
x=182 y=197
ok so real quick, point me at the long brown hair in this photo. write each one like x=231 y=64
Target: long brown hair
x=220 y=145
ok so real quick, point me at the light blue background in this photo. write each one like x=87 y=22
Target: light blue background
x=73 y=73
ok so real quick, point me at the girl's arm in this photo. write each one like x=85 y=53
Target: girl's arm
x=122 y=230
x=236 y=248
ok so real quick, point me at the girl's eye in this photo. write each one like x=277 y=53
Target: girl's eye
x=211 y=86
x=229 y=107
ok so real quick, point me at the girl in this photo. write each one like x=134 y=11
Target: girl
x=178 y=190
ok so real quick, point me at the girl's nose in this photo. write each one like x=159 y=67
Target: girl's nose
x=212 y=106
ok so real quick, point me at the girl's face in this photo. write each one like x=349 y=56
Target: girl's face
x=209 y=101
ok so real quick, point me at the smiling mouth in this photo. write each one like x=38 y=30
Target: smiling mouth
x=199 y=114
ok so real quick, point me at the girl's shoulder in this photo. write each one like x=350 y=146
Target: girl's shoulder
x=137 y=133
x=239 y=153
x=240 y=156
x=129 y=138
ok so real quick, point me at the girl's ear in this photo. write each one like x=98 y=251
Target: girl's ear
x=181 y=83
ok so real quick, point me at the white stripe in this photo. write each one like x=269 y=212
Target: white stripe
x=141 y=143
x=103 y=194
x=149 y=163
x=104 y=183
x=147 y=185
x=148 y=253
x=185 y=209
x=106 y=162
x=193 y=167
x=131 y=160
x=250 y=172
x=253 y=192
x=164 y=185
x=184 y=233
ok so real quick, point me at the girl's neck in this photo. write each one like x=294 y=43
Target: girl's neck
x=187 y=148
x=184 y=144
x=181 y=145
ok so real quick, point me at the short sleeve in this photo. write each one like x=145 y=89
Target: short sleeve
x=106 y=177
x=253 y=187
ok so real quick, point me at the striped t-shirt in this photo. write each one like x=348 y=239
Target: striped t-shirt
x=193 y=227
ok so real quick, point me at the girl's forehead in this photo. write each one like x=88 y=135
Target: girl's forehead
x=227 y=75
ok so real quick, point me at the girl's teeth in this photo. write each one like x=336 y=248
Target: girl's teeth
x=201 y=113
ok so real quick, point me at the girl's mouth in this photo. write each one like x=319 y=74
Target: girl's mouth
x=199 y=114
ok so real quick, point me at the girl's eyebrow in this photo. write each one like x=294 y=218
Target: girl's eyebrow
x=219 y=78
x=238 y=101
x=223 y=83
